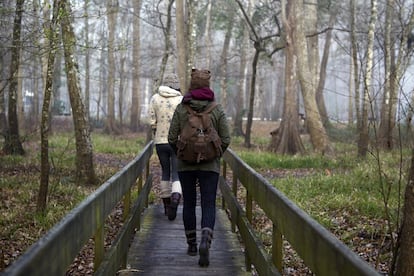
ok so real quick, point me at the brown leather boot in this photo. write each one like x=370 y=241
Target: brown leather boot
x=167 y=202
x=175 y=201
x=206 y=237
x=191 y=236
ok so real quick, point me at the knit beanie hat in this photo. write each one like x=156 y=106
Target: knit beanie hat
x=171 y=80
x=200 y=78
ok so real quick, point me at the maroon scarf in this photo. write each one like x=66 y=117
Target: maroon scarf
x=204 y=93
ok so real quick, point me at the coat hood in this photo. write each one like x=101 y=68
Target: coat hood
x=168 y=92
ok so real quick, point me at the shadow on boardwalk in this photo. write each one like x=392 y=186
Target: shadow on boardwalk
x=160 y=247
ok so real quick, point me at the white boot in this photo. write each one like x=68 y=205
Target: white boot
x=165 y=188
x=176 y=187
x=175 y=199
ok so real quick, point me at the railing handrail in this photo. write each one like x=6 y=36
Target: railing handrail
x=55 y=251
x=320 y=250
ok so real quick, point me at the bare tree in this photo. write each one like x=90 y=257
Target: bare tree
x=355 y=64
x=135 y=102
x=87 y=59
x=168 y=45
x=397 y=59
x=112 y=11
x=207 y=36
x=13 y=145
x=182 y=45
x=259 y=44
x=320 y=101
x=286 y=139
x=363 y=131
x=38 y=76
x=224 y=61
x=405 y=254
x=308 y=76
x=3 y=118
x=121 y=87
x=47 y=95
x=85 y=172
x=242 y=84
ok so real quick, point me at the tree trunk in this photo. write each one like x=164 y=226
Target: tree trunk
x=385 y=125
x=168 y=48
x=351 y=93
x=136 y=65
x=13 y=145
x=286 y=139
x=409 y=119
x=182 y=45
x=191 y=37
x=207 y=37
x=317 y=132
x=87 y=61
x=405 y=263
x=85 y=173
x=249 y=124
x=20 y=107
x=242 y=84
x=224 y=63
x=122 y=79
x=44 y=125
x=3 y=119
x=354 y=51
x=320 y=101
x=394 y=66
x=112 y=10
x=102 y=87
x=363 y=131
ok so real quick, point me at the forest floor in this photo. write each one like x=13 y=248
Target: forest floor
x=367 y=247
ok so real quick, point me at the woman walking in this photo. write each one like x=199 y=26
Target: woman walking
x=205 y=174
x=161 y=109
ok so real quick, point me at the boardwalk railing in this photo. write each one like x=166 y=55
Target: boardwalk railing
x=54 y=252
x=320 y=250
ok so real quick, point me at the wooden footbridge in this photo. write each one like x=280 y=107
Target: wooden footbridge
x=148 y=243
x=159 y=248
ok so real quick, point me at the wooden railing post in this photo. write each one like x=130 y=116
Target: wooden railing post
x=277 y=248
x=99 y=247
x=249 y=215
x=147 y=172
x=224 y=174
x=127 y=205
x=249 y=206
x=234 y=190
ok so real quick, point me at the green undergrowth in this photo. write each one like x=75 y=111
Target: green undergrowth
x=263 y=160
x=327 y=187
x=20 y=178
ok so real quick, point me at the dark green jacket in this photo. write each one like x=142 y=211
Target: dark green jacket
x=219 y=122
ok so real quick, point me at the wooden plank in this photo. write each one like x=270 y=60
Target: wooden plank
x=160 y=247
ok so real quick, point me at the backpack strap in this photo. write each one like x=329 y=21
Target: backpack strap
x=189 y=109
x=210 y=107
x=207 y=110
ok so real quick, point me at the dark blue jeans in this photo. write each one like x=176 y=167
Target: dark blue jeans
x=208 y=190
x=168 y=161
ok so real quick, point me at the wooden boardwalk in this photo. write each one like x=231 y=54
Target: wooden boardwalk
x=160 y=247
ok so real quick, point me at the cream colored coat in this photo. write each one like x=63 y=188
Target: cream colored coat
x=161 y=110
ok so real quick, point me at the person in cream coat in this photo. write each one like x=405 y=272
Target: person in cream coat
x=161 y=109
